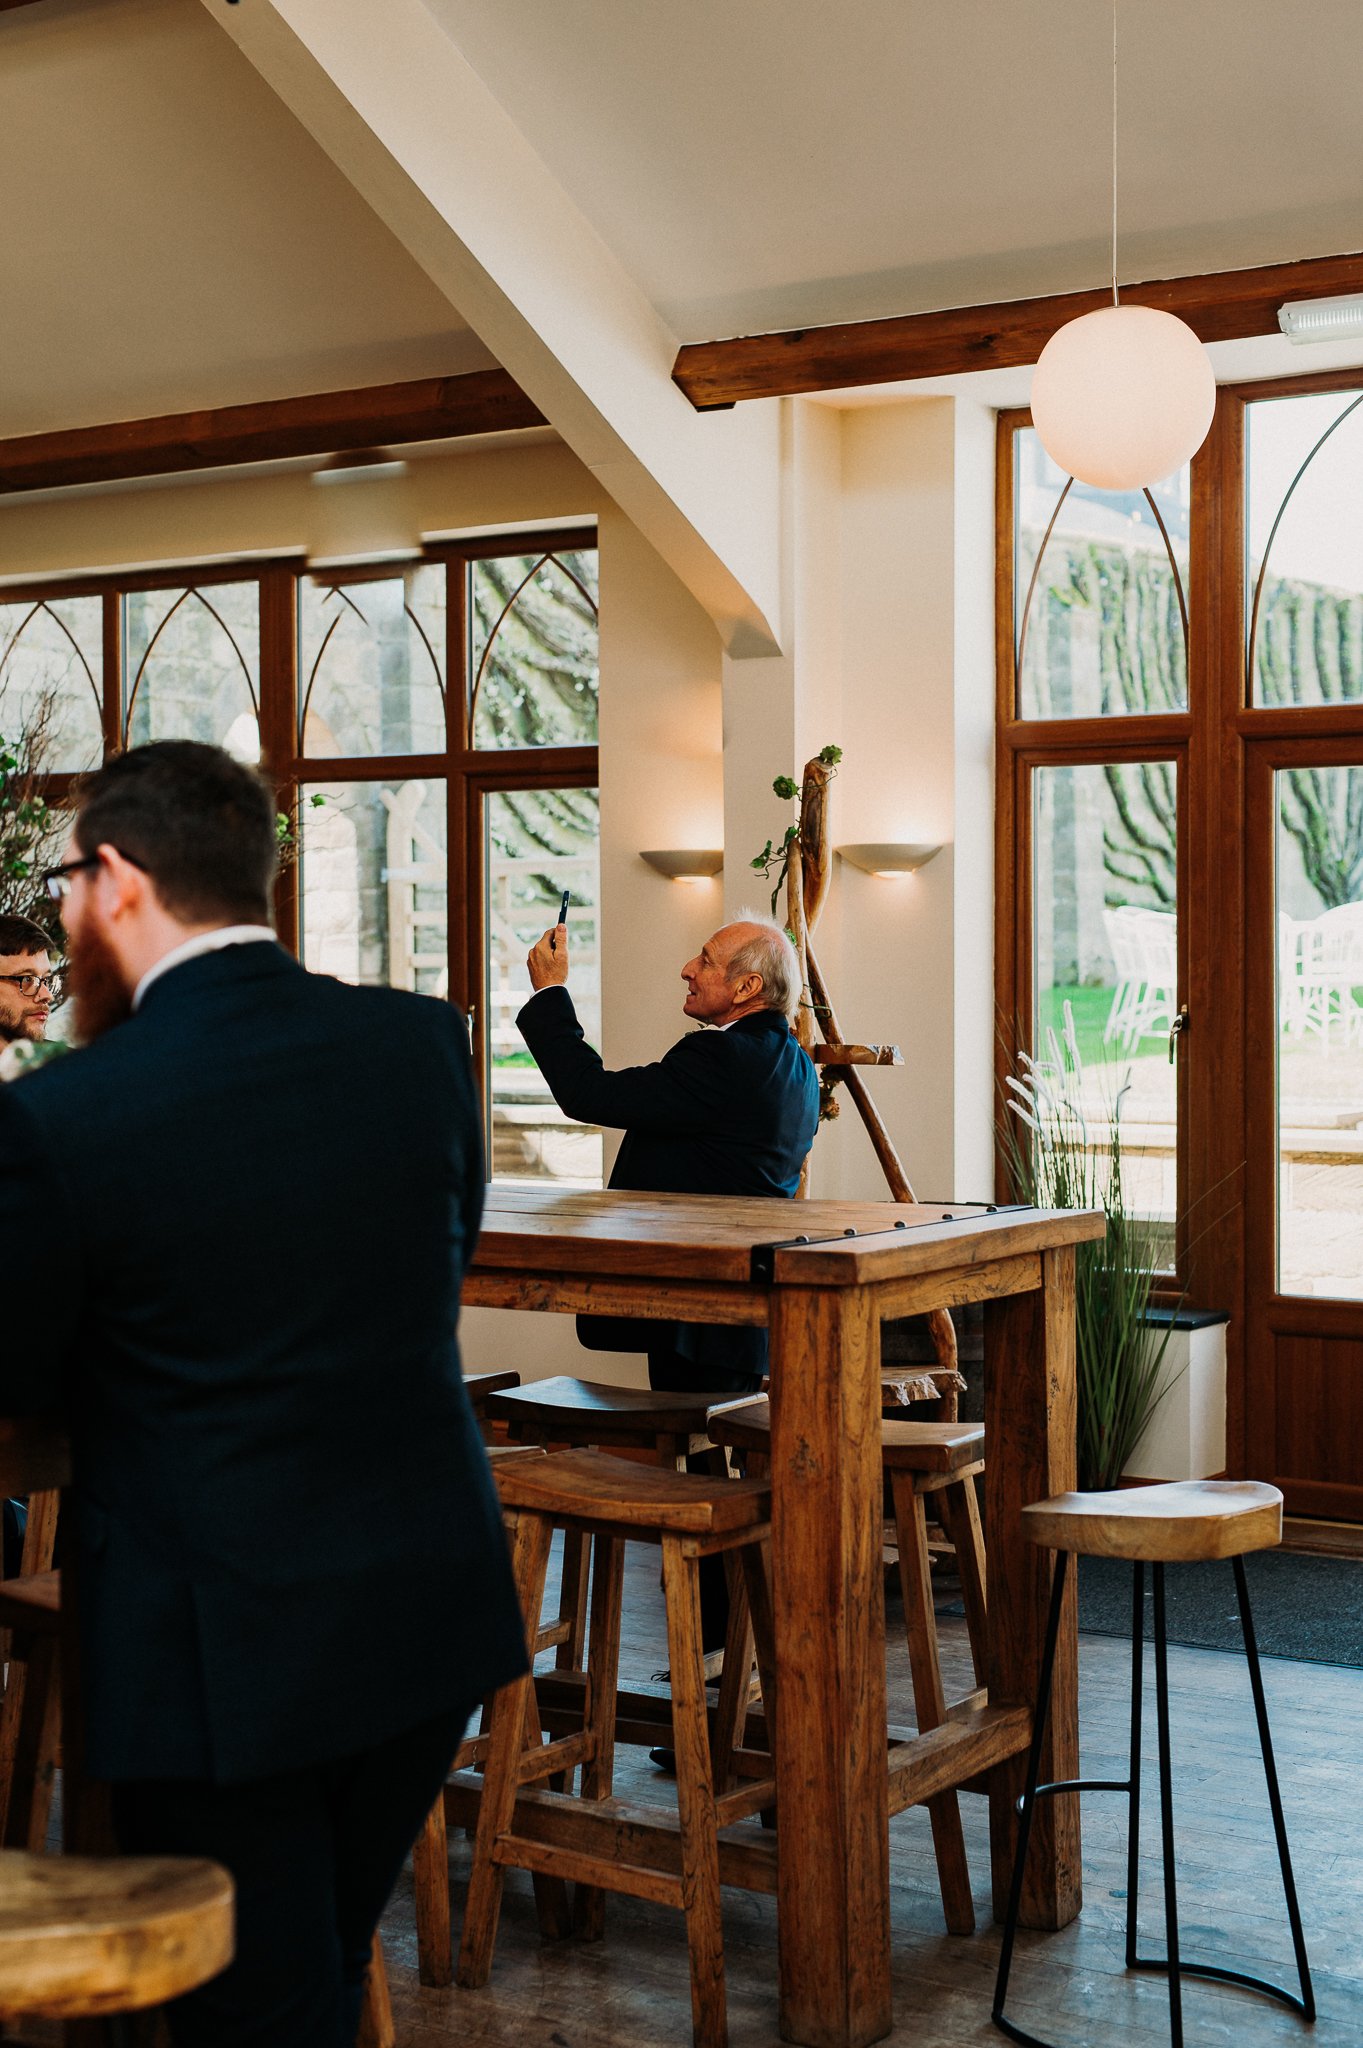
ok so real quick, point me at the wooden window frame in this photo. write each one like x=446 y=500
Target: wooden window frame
x=469 y=773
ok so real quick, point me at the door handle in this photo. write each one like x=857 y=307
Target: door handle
x=1177 y=1030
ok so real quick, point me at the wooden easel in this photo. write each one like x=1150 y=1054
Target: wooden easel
x=808 y=866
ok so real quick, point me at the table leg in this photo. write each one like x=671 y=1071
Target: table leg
x=1030 y=1423
x=832 y=1812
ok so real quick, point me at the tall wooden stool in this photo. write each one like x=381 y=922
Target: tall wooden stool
x=921 y=1459
x=1189 y=1520
x=81 y=1936
x=587 y=1415
x=690 y=1517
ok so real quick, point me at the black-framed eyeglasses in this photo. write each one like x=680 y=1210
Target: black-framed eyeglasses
x=57 y=881
x=29 y=984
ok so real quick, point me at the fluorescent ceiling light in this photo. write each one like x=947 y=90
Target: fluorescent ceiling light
x=1322 y=319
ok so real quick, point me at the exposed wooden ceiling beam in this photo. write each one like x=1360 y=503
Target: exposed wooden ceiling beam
x=325 y=423
x=1225 y=306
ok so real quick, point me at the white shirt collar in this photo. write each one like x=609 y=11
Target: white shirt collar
x=203 y=942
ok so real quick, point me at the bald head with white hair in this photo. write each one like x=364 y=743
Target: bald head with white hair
x=745 y=966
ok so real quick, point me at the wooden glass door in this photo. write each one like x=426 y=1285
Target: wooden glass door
x=1181 y=763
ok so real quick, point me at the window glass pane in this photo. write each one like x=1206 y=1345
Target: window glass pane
x=191 y=666
x=533 y=643
x=1106 y=960
x=1304 y=547
x=371 y=664
x=1319 y=910
x=51 y=662
x=1100 y=624
x=539 y=843
x=374 y=883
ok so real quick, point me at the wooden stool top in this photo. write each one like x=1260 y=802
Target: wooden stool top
x=31 y=1603
x=86 y=1935
x=478 y=1385
x=905 y=1446
x=591 y=1413
x=1180 y=1522
x=593 y=1486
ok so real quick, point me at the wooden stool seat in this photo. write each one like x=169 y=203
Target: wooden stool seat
x=479 y=1385
x=1179 y=1522
x=593 y=1486
x=80 y=1936
x=33 y=1603
x=904 y=1446
x=586 y=1412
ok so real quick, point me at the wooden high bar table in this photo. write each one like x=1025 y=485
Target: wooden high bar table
x=823 y=1276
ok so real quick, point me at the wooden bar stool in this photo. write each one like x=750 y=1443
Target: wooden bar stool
x=1186 y=1521
x=689 y=1517
x=81 y=1936
x=588 y=1415
x=921 y=1459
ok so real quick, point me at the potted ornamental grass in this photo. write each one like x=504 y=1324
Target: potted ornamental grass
x=1059 y=1153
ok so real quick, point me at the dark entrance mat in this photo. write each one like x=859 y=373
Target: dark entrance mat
x=1308 y=1608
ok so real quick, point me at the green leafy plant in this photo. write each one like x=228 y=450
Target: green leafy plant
x=1054 y=1158
x=775 y=854
x=30 y=827
x=286 y=834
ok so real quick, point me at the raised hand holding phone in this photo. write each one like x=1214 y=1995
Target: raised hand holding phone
x=547 y=961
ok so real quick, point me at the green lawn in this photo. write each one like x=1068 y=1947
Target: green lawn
x=1091 y=1007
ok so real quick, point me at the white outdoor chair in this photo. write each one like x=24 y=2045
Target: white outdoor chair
x=1144 y=946
x=1329 y=970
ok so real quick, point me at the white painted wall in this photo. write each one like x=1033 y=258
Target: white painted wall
x=888 y=646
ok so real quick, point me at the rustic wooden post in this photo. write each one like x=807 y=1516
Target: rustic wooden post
x=808 y=863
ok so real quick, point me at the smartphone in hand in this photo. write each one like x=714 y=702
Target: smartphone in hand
x=562 y=918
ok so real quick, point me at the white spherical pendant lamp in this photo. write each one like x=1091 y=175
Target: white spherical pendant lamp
x=1123 y=397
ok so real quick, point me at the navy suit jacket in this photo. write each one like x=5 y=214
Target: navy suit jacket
x=233 y=1233
x=729 y=1112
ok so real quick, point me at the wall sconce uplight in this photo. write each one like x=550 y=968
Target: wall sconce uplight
x=688 y=865
x=888 y=858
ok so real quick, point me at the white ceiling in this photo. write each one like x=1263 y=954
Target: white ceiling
x=773 y=163
x=170 y=237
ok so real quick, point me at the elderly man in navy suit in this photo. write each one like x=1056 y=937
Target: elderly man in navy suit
x=242 y=1214
x=731 y=1110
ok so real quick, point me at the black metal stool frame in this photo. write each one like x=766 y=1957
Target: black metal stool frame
x=1170 y=1963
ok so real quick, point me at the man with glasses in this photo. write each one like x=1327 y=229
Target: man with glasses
x=242 y=1213
x=26 y=979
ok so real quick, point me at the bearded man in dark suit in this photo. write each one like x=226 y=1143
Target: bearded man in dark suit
x=731 y=1110
x=242 y=1215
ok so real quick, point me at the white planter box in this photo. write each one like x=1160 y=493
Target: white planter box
x=1186 y=1436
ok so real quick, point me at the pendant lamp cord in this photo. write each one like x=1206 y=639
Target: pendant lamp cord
x=1115 y=299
